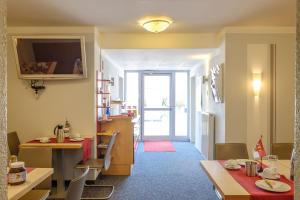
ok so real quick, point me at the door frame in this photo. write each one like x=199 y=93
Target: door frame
x=171 y=136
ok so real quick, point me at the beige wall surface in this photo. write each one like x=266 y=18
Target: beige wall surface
x=154 y=41
x=34 y=117
x=236 y=86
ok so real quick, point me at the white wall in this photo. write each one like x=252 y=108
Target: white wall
x=258 y=107
x=218 y=109
x=111 y=70
x=74 y=99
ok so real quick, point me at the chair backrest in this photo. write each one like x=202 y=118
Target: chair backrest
x=282 y=150
x=107 y=156
x=228 y=151
x=76 y=186
x=38 y=157
x=13 y=143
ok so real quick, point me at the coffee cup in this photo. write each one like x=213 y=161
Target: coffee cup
x=270 y=172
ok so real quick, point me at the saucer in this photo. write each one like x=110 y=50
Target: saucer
x=76 y=139
x=232 y=167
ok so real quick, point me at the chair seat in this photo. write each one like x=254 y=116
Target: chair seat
x=36 y=195
x=92 y=163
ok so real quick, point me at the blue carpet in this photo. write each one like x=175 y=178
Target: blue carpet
x=164 y=176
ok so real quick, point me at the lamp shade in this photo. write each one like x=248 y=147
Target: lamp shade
x=156 y=25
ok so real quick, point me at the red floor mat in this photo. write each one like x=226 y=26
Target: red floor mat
x=158 y=146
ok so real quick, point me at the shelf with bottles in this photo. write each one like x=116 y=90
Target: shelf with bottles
x=103 y=106
x=104 y=80
x=118 y=102
x=100 y=92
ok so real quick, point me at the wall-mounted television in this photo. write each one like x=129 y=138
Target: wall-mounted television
x=50 y=57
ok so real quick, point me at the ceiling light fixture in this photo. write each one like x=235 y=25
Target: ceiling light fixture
x=156 y=25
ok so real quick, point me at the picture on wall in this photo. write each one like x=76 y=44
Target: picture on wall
x=216 y=83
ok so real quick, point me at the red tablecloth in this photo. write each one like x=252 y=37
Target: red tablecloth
x=86 y=146
x=248 y=183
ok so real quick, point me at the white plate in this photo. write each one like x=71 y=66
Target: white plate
x=232 y=167
x=276 y=177
x=76 y=139
x=277 y=186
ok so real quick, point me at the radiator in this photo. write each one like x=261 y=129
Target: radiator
x=208 y=135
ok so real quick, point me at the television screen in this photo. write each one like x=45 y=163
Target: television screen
x=50 y=58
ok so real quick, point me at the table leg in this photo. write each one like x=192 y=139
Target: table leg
x=60 y=171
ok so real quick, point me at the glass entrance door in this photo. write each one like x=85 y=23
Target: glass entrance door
x=163 y=101
x=157 y=106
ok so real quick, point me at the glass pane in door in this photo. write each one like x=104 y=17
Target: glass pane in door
x=156 y=123
x=156 y=91
x=181 y=104
x=157 y=105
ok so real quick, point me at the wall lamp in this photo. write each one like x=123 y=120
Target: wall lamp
x=256 y=84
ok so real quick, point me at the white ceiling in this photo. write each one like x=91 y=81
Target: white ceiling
x=157 y=59
x=123 y=15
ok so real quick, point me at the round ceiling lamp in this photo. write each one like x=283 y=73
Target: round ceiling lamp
x=156 y=25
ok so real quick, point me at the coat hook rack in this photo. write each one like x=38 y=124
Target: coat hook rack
x=37 y=86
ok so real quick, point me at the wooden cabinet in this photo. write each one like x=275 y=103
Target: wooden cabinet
x=127 y=139
x=123 y=150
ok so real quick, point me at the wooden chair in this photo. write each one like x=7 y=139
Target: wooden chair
x=226 y=151
x=282 y=150
x=100 y=165
x=13 y=143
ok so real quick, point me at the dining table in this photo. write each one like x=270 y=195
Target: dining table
x=34 y=177
x=60 y=147
x=230 y=187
